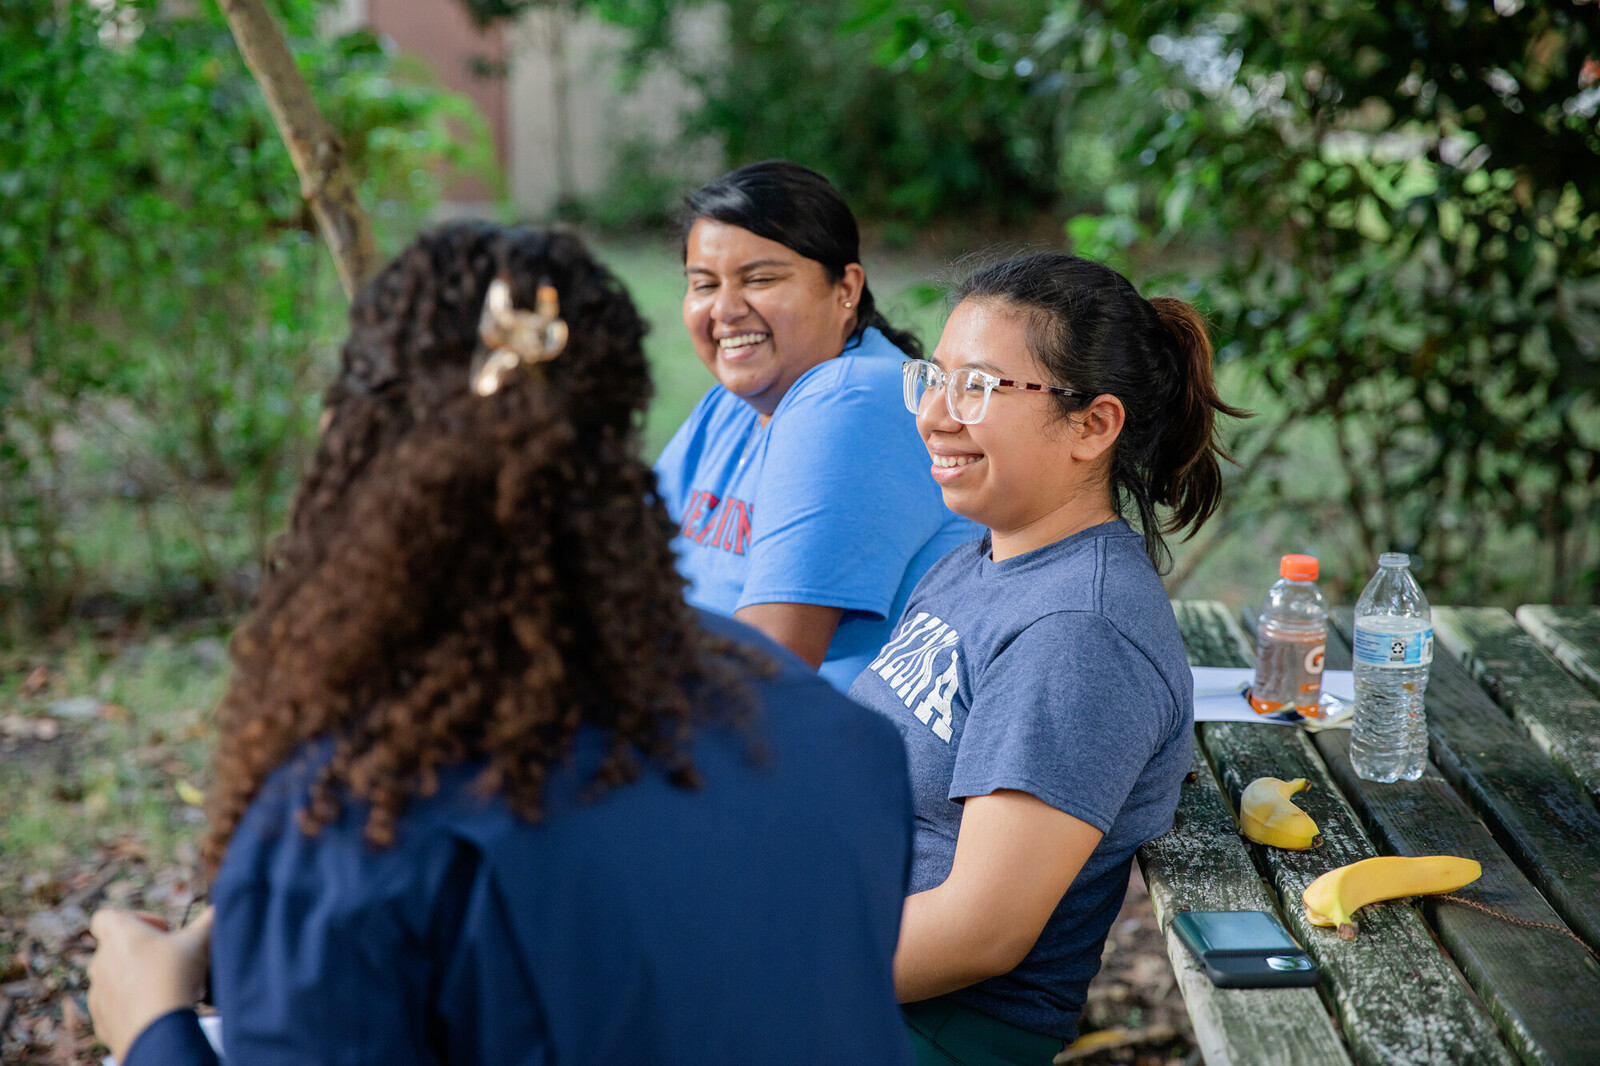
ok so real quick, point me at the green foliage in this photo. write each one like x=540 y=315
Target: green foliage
x=919 y=112
x=1402 y=205
x=166 y=296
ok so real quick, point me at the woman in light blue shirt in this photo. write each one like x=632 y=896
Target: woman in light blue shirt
x=803 y=496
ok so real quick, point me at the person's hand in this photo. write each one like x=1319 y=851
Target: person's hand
x=139 y=973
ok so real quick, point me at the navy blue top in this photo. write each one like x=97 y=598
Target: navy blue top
x=1059 y=673
x=752 y=920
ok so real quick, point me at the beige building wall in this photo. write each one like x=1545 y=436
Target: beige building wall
x=569 y=113
x=561 y=113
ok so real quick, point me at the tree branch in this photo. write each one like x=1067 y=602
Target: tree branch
x=317 y=151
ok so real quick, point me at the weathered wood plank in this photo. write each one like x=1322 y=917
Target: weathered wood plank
x=1397 y=997
x=1541 y=818
x=1561 y=716
x=1201 y=864
x=1571 y=633
x=1546 y=1021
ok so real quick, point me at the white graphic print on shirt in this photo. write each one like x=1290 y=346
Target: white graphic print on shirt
x=908 y=662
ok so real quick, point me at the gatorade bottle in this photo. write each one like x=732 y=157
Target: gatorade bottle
x=1291 y=637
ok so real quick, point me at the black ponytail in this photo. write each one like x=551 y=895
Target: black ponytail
x=798 y=208
x=1090 y=330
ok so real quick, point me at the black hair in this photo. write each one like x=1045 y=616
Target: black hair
x=1090 y=330
x=801 y=210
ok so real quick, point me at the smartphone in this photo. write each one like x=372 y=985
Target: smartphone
x=1245 y=949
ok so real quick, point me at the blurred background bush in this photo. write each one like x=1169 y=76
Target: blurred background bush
x=1390 y=213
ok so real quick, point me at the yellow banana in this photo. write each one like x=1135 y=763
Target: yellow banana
x=1332 y=898
x=1268 y=816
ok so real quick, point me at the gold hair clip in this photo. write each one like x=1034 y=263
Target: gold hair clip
x=516 y=339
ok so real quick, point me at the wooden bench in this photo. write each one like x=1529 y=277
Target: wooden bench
x=1513 y=781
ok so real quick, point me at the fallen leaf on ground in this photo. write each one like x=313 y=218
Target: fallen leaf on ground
x=190 y=795
x=127 y=848
x=65 y=1053
x=53 y=928
x=36 y=681
x=15 y=725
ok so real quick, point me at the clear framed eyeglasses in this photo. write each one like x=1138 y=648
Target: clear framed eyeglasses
x=966 y=390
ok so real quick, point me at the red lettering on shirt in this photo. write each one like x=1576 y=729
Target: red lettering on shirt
x=737 y=538
x=728 y=506
x=711 y=510
x=700 y=502
x=717 y=522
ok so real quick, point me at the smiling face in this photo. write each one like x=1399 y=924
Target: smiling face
x=761 y=314
x=1025 y=472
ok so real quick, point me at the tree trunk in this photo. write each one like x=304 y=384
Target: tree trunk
x=317 y=152
x=561 y=109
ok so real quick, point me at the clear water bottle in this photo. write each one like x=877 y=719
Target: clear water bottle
x=1291 y=638
x=1393 y=648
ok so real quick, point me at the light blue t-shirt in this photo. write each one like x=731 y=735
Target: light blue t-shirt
x=1059 y=673
x=830 y=503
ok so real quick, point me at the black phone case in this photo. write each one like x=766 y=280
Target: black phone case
x=1266 y=969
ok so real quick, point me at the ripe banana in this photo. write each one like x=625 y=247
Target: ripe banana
x=1332 y=898
x=1268 y=816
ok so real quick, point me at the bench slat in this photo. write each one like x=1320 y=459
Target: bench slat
x=1571 y=633
x=1559 y=713
x=1542 y=819
x=1547 y=1021
x=1398 y=998
x=1201 y=864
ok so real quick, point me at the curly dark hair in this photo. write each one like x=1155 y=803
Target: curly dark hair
x=472 y=578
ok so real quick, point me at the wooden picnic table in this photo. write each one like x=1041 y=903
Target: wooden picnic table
x=1513 y=781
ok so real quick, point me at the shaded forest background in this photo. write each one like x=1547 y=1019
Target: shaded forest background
x=1391 y=214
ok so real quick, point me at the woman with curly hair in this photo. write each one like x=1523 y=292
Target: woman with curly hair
x=486 y=789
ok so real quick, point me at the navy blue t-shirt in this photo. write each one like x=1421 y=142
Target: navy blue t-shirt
x=1059 y=673
x=752 y=920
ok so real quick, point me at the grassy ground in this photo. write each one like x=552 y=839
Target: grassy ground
x=103 y=746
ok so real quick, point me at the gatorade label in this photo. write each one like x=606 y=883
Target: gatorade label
x=1373 y=647
x=1312 y=667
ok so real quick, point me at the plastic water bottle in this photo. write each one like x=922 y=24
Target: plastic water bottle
x=1393 y=648
x=1291 y=637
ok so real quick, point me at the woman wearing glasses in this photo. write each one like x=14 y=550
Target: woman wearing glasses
x=798 y=485
x=1037 y=675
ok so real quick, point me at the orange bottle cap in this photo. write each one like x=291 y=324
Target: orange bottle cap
x=1298 y=567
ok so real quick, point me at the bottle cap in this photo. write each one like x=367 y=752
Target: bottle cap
x=1298 y=567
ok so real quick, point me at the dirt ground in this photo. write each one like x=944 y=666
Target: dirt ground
x=1134 y=1016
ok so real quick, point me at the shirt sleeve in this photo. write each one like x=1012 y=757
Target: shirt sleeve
x=845 y=500
x=174 y=1039
x=1070 y=712
x=332 y=957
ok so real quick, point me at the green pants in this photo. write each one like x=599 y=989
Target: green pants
x=945 y=1033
